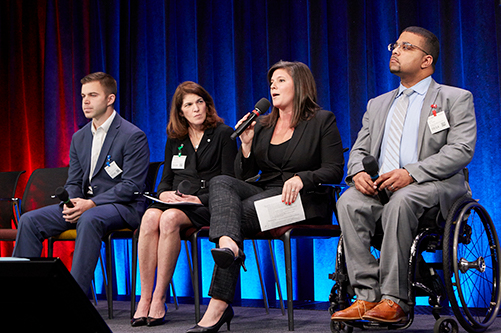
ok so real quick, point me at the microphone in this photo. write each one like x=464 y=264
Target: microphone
x=372 y=168
x=62 y=194
x=261 y=107
x=183 y=187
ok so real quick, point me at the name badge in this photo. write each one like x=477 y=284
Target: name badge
x=113 y=170
x=178 y=162
x=438 y=123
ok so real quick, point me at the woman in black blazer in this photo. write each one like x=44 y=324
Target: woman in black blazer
x=198 y=148
x=295 y=148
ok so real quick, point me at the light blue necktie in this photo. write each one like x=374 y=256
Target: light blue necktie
x=392 y=153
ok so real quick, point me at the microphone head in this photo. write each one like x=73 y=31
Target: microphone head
x=184 y=187
x=62 y=194
x=370 y=165
x=262 y=105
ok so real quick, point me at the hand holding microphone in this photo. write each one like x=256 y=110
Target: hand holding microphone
x=261 y=107
x=63 y=195
x=372 y=168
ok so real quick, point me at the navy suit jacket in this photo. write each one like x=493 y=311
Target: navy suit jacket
x=127 y=146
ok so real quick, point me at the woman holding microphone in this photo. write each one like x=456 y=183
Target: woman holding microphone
x=296 y=148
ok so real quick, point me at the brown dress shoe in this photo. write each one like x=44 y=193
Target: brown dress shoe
x=386 y=311
x=354 y=312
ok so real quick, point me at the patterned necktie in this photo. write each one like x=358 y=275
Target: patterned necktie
x=392 y=153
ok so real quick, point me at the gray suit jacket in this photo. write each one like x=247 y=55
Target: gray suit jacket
x=441 y=156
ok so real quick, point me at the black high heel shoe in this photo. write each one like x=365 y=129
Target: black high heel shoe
x=135 y=322
x=225 y=318
x=156 y=321
x=224 y=257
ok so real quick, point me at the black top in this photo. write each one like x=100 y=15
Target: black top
x=314 y=153
x=276 y=155
x=215 y=156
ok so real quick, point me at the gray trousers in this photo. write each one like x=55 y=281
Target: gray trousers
x=358 y=215
x=231 y=203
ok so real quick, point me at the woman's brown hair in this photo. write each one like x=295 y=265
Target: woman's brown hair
x=178 y=125
x=305 y=93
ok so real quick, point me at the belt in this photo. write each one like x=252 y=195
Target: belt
x=204 y=183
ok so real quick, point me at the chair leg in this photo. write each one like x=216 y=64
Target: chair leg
x=133 y=278
x=277 y=281
x=50 y=247
x=196 y=274
x=93 y=290
x=174 y=297
x=263 y=289
x=288 y=276
x=109 y=269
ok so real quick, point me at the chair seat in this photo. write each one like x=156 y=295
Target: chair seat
x=66 y=235
x=301 y=230
x=8 y=234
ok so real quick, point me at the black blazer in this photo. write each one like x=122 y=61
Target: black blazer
x=215 y=156
x=314 y=153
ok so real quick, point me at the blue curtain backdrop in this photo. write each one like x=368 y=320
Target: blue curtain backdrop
x=150 y=47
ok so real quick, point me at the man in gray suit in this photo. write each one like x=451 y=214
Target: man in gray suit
x=421 y=165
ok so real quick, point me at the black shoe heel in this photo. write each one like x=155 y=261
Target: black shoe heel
x=224 y=257
x=136 y=322
x=225 y=318
x=156 y=321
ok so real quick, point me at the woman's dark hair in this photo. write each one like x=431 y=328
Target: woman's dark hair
x=305 y=93
x=178 y=125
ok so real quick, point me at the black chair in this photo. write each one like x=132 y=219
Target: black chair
x=41 y=186
x=124 y=233
x=284 y=234
x=9 y=205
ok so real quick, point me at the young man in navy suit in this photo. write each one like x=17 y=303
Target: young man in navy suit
x=109 y=159
x=421 y=167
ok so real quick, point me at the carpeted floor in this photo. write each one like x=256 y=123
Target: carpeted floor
x=252 y=319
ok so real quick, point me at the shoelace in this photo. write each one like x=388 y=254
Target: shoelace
x=358 y=308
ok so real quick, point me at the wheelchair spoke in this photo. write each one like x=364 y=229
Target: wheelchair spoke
x=471 y=253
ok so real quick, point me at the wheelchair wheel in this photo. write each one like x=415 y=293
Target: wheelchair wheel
x=340 y=327
x=446 y=325
x=471 y=256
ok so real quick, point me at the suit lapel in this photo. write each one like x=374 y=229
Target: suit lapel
x=87 y=146
x=205 y=141
x=110 y=137
x=429 y=99
x=265 y=133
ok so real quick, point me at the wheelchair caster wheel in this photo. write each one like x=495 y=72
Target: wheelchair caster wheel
x=340 y=327
x=446 y=325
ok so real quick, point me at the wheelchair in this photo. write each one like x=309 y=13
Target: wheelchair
x=470 y=267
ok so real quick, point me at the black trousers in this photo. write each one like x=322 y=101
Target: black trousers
x=231 y=203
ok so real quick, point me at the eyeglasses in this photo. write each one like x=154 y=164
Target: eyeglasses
x=406 y=46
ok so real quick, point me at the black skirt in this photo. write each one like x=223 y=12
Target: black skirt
x=198 y=215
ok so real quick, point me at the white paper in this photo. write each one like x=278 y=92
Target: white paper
x=273 y=213
x=185 y=203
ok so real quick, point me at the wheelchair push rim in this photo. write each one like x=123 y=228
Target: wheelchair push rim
x=471 y=256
